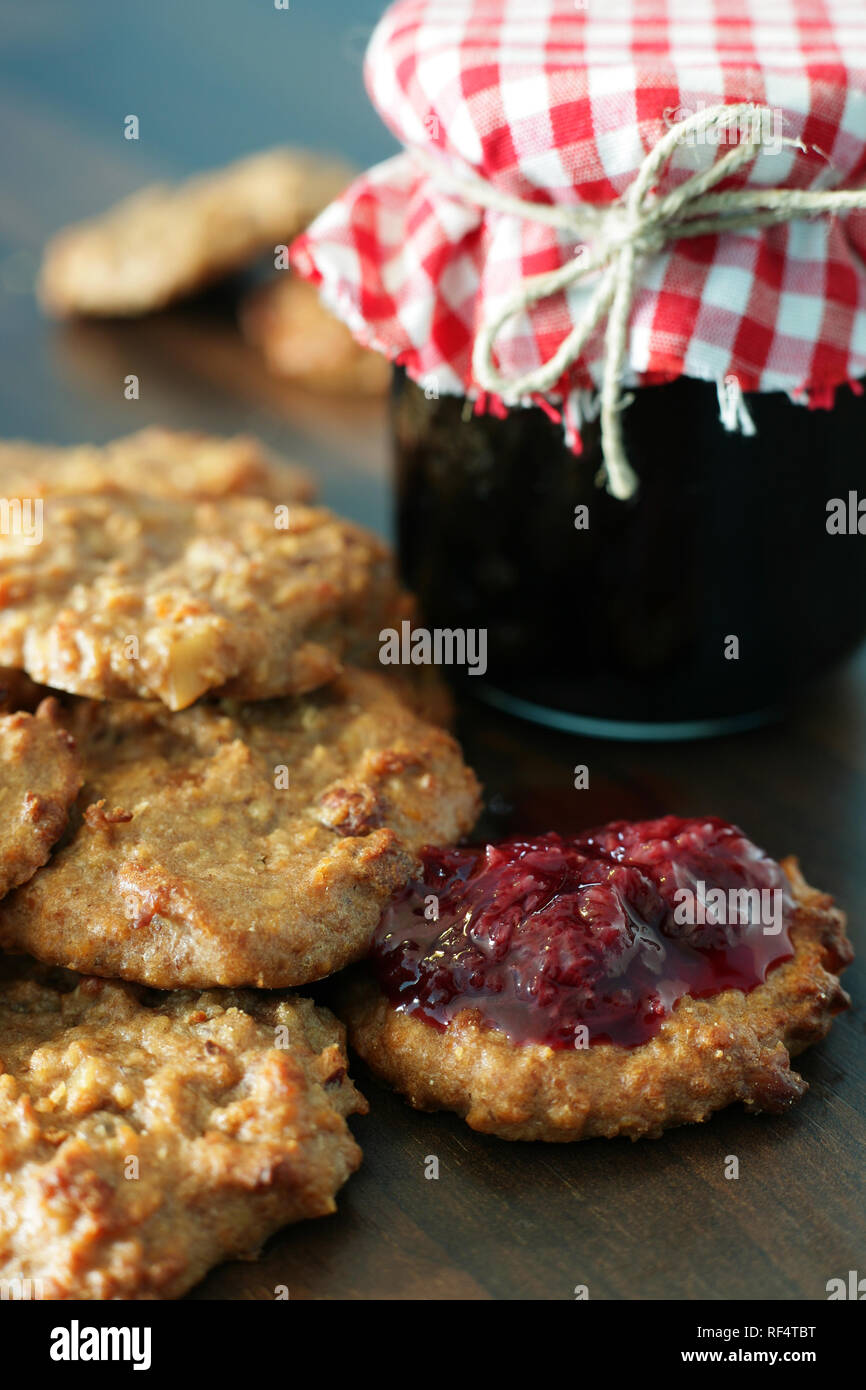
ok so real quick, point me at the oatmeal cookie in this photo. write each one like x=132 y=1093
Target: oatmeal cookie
x=146 y=1137
x=167 y=241
x=300 y=338
x=423 y=689
x=701 y=1055
x=40 y=776
x=133 y=596
x=156 y=462
x=241 y=844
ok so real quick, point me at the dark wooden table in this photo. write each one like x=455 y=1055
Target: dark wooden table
x=653 y=1220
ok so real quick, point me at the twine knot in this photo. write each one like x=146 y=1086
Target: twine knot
x=614 y=240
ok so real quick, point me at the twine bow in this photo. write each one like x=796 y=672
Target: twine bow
x=638 y=226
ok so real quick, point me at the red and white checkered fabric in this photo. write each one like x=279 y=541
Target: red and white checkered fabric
x=559 y=101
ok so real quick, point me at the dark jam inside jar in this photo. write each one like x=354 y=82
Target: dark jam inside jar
x=586 y=939
x=624 y=626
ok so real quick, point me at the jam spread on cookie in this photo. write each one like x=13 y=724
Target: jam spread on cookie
x=585 y=939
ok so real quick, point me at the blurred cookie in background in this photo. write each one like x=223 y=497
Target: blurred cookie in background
x=170 y=240
x=301 y=339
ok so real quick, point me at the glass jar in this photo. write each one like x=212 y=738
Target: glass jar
x=702 y=605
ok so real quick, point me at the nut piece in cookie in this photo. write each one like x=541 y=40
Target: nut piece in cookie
x=145 y=1137
x=155 y=462
x=134 y=596
x=300 y=338
x=168 y=241
x=40 y=776
x=242 y=844
x=622 y=982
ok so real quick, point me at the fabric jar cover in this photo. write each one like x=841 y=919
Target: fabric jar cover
x=558 y=102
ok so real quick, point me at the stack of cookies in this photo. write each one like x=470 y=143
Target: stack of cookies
x=208 y=790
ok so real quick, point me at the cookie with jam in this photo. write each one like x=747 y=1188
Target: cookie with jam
x=620 y=982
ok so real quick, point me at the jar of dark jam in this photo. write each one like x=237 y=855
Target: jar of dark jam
x=704 y=604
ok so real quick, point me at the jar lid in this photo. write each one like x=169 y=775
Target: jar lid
x=602 y=193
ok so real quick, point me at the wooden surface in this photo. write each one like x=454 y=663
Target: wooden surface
x=653 y=1220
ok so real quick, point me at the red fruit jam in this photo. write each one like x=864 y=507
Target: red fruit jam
x=591 y=938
